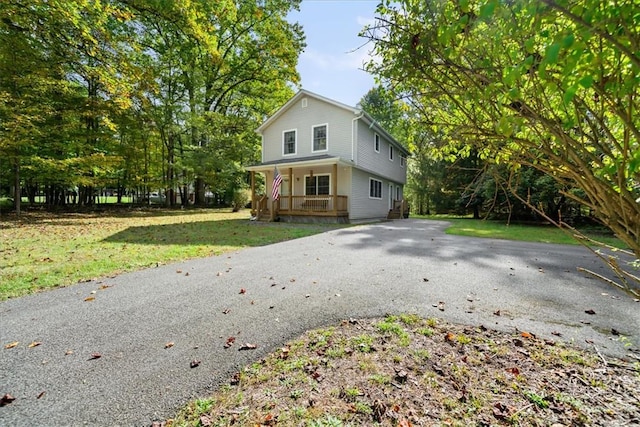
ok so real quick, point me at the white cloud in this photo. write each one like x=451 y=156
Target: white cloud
x=337 y=61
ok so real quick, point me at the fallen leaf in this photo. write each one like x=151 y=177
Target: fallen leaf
x=284 y=352
x=515 y=371
x=424 y=279
x=169 y=344
x=450 y=337
x=292 y=280
x=500 y=410
x=527 y=335
x=269 y=419
x=229 y=342
x=186 y=274
x=34 y=344
x=205 y=420
x=235 y=379
x=615 y=332
x=68 y=352
x=103 y=287
x=194 y=364
x=401 y=376
x=90 y=298
x=496 y=313
x=590 y=311
x=6 y=399
x=556 y=333
x=40 y=395
x=95 y=356
x=219 y=273
x=248 y=346
x=243 y=291
x=179 y=271
x=12 y=344
x=404 y=423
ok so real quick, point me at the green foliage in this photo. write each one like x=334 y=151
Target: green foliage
x=144 y=96
x=545 y=84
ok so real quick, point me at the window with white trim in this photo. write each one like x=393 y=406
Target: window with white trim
x=289 y=142
x=317 y=185
x=391 y=152
x=376 y=142
x=403 y=161
x=319 y=138
x=375 y=188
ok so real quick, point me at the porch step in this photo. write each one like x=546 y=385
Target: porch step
x=394 y=214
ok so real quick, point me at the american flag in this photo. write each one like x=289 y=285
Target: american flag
x=277 y=180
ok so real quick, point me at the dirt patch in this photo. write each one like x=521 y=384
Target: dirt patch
x=409 y=371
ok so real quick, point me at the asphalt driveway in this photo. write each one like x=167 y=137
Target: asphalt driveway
x=118 y=351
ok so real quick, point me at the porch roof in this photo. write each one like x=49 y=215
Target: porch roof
x=323 y=159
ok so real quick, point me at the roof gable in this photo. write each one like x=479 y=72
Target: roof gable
x=357 y=112
x=298 y=96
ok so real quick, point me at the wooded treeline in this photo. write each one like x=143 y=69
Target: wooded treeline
x=139 y=95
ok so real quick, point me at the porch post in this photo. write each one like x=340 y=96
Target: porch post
x=253 y=193
x=334 y=189
x=290 y=189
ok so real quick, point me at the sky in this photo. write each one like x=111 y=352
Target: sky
x=331 y=64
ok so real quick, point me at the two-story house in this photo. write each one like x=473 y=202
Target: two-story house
x=335 y=164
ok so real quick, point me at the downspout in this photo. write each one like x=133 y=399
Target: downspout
x=354 y=136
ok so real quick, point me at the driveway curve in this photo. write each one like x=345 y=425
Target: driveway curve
x=119 y=351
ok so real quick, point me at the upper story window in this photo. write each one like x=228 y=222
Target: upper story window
x=320 y=138
x=289 y=142
x=390 y=152
x=376 y=142
x=403 y=161
x=317 y=185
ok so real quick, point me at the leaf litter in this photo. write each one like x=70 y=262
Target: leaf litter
x=409 y=371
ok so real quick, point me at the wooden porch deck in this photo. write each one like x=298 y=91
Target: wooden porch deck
x=308 y=206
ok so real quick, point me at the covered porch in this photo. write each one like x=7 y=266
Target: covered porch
x=311 y=191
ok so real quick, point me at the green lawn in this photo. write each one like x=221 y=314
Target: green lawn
x=529 y=233
x=42 y=250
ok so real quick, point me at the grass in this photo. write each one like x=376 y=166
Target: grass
x=41 y=250
x=434 y=380
x=464 y=226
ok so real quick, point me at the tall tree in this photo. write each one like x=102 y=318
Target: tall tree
x=545 y=83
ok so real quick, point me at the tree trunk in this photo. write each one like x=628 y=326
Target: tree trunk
x=200 y=199
x=17 y=199
x=476 y=212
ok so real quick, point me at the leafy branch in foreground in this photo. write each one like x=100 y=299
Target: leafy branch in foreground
x=546 y=84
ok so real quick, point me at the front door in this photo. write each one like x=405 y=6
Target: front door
x=390 y=196
x=285 y=187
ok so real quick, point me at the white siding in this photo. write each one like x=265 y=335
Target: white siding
x=369 y=159
x=361 y=206
x=317 y=112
